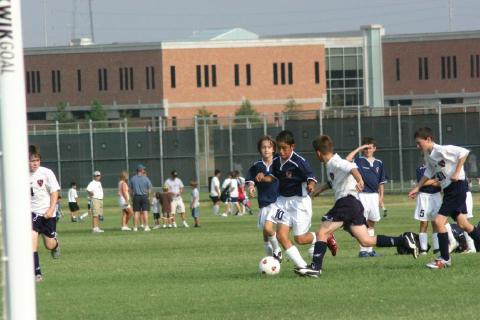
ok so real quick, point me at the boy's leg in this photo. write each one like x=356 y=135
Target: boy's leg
x=271 y=238
x=472 y=230
x=290 y=249
x=452 y=242
x=423 y=237
x=444 y=259
x=36 y=259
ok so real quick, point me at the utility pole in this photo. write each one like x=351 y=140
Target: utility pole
x=450 y=14
x=91 y=20
x=74 y=21
x=45 y=37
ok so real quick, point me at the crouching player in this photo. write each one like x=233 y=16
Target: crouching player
x=346 y=181
x=445 y=163
x=44 y=189
x=267 y=196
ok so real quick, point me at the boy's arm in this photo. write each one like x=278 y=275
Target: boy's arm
x=381 y=192
x=415 y=189
x=53 y=203
x=458 y=168
x=358 y=177
x=320 y=189
x=352 y=154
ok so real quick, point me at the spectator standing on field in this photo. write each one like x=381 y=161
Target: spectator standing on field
x=140 y=187
x=175 y=185
x=95 y=192
x=124 y=200
x=215 y=191
x=195 y=203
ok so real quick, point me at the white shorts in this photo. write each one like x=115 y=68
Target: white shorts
x=177 y=205
x=295 y=212
x=428 y=205
x=370 y=204
x=469 y=203
x=122 y=203
x=266 y=214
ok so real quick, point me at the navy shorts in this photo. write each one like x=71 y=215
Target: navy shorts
x=47 y=227
x=454 y=199
x=73 y=206
x=348 y=210
x=215 y=199
x=233 y=199
x=156 y=215
x=140 y=203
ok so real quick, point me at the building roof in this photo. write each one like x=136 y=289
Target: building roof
x=223 y=34
x=434 y=36
x=339 y=34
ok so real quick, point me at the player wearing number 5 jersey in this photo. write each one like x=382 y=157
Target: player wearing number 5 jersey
x=44 y=189
x=445 y=164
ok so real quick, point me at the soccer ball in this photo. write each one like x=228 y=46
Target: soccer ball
x=269 y=265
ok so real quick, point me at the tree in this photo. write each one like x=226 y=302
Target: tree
x=61 y=115
x=292 y=108
x=204 y=114
x=97 y=113
x=246 y=111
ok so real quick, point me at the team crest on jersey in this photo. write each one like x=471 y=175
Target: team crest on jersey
x=40 y=182
x=378 y=169
x=441 y=163
x=289 y=174
x=332 y=176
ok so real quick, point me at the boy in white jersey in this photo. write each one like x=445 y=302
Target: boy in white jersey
x=175 y=185
x=215 y=191
x=73 y=202
x=95 y=192
x=346 y=182
x=44 y=189
x=195 y=203
x=445 y=164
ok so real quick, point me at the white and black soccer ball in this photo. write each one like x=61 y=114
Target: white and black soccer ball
x=269 y=266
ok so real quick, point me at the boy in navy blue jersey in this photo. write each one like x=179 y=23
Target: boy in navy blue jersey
x=445 y=164
x=267 y=196
x=296 y=182
x=346 y=181
x=371 y=197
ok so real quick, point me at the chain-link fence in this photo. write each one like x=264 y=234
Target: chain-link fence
x=195 y=147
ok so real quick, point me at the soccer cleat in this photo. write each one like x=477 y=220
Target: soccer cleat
x=332 y=244
x=55 y=252
x=157 y=226
x=363 y=254
x=135 y=229
x=126 y=228
x=164 y=226
x=147 y=228
x=278 y=256
x=374 y=254
x=410 y=244
x=174 y=225
x=423 y=252
x=308 y=271
x=38 y=278
x=97 y=230
x=169 y=225
x=224 y=214
x=185 y=224
x=439 y=263
x=74 y=219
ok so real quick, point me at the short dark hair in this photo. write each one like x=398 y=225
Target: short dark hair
x=73 y=183
x=33 y=152
x=424 y=133
x=266 y=138
x=285 y=136
x=369 y=140
x=216 y=171
x=323 y=144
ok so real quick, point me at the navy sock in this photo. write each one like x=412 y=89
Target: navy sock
x=475 y=235
x=318 y=254
x=443 y=244
x=386 y=241
x=36 y=262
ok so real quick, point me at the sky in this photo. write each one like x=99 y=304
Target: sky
x=160 y=20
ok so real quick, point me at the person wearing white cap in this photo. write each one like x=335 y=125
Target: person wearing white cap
x=95 y=191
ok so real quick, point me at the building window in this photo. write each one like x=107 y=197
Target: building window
x=126 y=78
x=79 y=80
x=214 y=75
x=173 y=78
x=102 y=79
x=397 y=68
x=317 y=72
x=33 y=81
x=248 y=70
x=290 y=73
x=36 y=116
x=475 y=66
x=275 y=73
x=476 y=59
x=443 y=67
x=214 y=118
x=449 y=67
x=199 y=76
x=236 y=75
x=174 y=122
x=451 y=101
x=404 y=102
x=282 y=73
x=454 y=62
x=150 y=77
x=423 y=68
x=206 y=76
x=56 y=81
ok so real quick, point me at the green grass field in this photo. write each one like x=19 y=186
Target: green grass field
x=212 y=273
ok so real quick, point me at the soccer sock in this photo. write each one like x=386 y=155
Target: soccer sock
x=216 y=209
x=386 y=241
x=268 y=248
x=36 y=262
x=451 y=237
x=275 y=245
x=312 y=247
x=475 y=235
x=443 y=242
x=470 y=242
x=423 y=237
x=435 y=244
x=295 y=256
x=319 y=254
x=371 y=233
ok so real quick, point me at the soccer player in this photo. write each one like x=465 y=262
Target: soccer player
x=44 y=189
x=296 y=181
x=267 y=196
x=195 y=203
x=95 y=192
x=346 y=182
x=225 y=194
x=215 y=191
x=445 y=163
x=124 y=200
x=73 y=202
x=176 y=186
x=371 y=197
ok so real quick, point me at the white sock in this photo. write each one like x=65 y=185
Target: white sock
x=470 y=242
x=435 y=245
x=216 y=209
x=268 y=248
x=295 y=256
x=371 y=233
x=274 y=244
x=423 y=237
x=312 y=247
x=451 y=239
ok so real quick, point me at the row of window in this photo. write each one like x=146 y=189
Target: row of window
x=206 y=76
x=448 y=65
